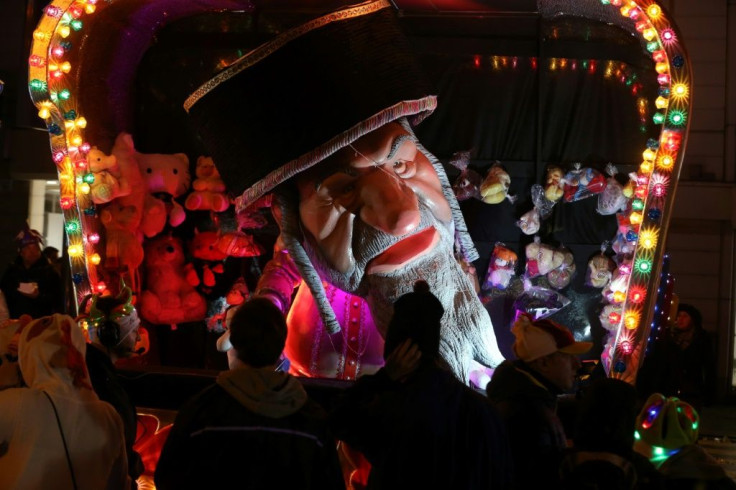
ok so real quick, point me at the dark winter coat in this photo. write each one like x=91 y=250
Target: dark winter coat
x=254 y=429
x=51 y=291
x=428 y=432
x=527 y=404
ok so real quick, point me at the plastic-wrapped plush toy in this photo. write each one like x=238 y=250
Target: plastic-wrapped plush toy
x=209 y=189
x=540 y=302
x=554 y=188
x=560 y=277
x=467 y=184
x=123 y=250
x=581 y=183
x=610 y=317
x=529 y=221
x=600 y=269
x=619 y=282
x=169 y=298
x=501 y=268
x=541 y=258
x=612 y=199
x=495 y=186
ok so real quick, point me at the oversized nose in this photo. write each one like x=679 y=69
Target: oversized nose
x=387 y=203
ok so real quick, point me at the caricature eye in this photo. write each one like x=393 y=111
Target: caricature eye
x=405 y=169
x=347 y=189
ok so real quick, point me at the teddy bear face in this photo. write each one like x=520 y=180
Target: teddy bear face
x=121 y=217
x=165 y=173
x=206 y=168
x=98 y=161
x=164 y=250
x=204 y=246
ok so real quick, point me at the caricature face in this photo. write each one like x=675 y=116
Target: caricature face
x=366 y=209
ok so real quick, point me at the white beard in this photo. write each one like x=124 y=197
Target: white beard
x=467 y=332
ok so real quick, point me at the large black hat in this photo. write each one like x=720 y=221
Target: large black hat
x=312 y=90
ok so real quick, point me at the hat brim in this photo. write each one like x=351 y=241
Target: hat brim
x=577 y=348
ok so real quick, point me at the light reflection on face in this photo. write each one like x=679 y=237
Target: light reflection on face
x=376 y=187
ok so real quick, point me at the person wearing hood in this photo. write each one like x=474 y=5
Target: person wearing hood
x=525 y=393
x=30 y=284
x=255 y=426
x=55 y=432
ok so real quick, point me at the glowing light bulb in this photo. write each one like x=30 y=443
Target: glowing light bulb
x=653 y=11
x=631 y=320
x=658 y=118
x=648 y=239
x=644 y=266
x=677 y=118
x=75 y=251
x=84 y=188
x=619 y=297
x=649 y=154
x=668 y=36
x=95 y=259
x=645 y=167
x=659 y=56
x=93 y=238
x=37 y=61
x=663 y=79
x=659 y=189
x=637 y=294
x=665 y=162
x=64 y=31
x=44 y=113
x=66 y=202
x=39 y=35
x=614 y=317
x=101 y=286
x=637 y=205
x=635 y=218
x=71 y=227
x=649 y=34
x=680 y=91
x=77 y=140
x=626 y=347
x=661 y=103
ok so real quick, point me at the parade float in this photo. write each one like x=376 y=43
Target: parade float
x=561 y=124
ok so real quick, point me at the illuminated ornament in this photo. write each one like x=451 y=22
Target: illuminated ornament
x=665 y=162
x=659 y=185
x=90 y=211
x=101 y=286
x=653 y=11
x=66 y=202
x=648 y=239
x=476 y=61
x=677 y=118
x=93 y=238
x=53 y=11
x=81 y=165
x=84 y=188
x=71 y=227
x=75 y=251
x=671 y=140
x=65 y=94
x=95 y=259
x=658 y=118
x=619 y=367
x=631 y=320
x=645 y=167
x=70 y=115
x=58 y=51
x=77 y=140
x=649 y=34
x=76 y=25
x=38 y=85
x=680 y=91
x=58 y=156
x=654 y=214
x=40 y=36
x=77 y=278
x=661 y=103
x=90 y=8
x=85 y=147
x=64 y=31
x=626 y=347
x=678 y=61
x=643 y=266
x=89 y=178
x=637 y=205
x=76 y=11
x=652 y=46
x=37 y=61
x=619 y=297
x=668 y=36
x=663 y=79
x=637 y=294
x=662 y=67
x=614 y=317
x=641 y=193
x=649 y=154
x=44 y=113
x=631 y=236
x=663 y=91
x=625 y=268
x=634 y=13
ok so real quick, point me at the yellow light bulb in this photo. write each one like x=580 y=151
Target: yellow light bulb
x=649 y=154
x=84 y=188
x=680 y=90
x=77 y=140
x=66 y=67
x=39 y=35
x=653 y=11
x=90 y=9
x=661 y=103
x=648 y=239
x=645 y=167
x=69 y=125
x=662 y=67
x=44 y=113
x=75 y=251
x=635 y=218
x=649 y=34
x=665 y=162
x=81 y=122
x=95 y=259
x=631 y=320
x=64 y=31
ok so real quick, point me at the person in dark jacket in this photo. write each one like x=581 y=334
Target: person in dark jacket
x=525 y=393
x=256 y=427
x=30 y=284
x=113 y=327
x=416 y=423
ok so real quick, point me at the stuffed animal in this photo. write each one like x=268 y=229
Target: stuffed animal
x=541 y=258
x=238 y=244
x=581 y=183
x=612 y=199
x=553 y=190
x=560 y=277
x=529 y=221
x=123 y=251
x=168 y=297
x=467 y=184
x=495 y=187
x=600 y=271
x=501 y=268
x=166 y=177
x=209 y=189
x=108 y=183
x=203 y=247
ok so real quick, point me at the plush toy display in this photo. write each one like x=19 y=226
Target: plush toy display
x=494 y=189
x=166 y=177
x=554 y=187
x=600 y=270
x=108 y=182
x=168 y=297
x=560 y=277
x=581 y=183
x=501 y=268
x=123 y=251
x=529 y=222
x=203 y=247
x=612 y=199
x=238 y=244
x=467 y=184
x=541 y=258
x=209 y=189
